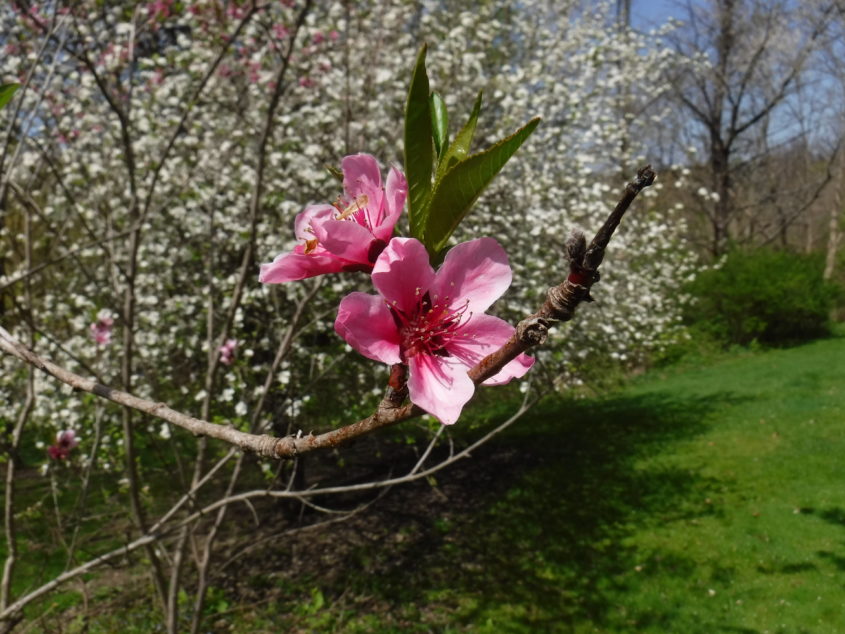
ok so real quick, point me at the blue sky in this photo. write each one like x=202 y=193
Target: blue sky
x=649 y=13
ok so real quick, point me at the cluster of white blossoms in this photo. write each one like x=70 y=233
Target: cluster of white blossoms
x=120 y=133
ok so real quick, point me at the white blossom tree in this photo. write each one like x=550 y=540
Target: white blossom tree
x=157 y=152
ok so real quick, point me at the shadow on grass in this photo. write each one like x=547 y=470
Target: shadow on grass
x=836 y=516
x=548 y=546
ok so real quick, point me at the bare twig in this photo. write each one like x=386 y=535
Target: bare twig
x=14 y=443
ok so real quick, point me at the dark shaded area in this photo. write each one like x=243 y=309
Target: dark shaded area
x=835 y=516
x=572 y=463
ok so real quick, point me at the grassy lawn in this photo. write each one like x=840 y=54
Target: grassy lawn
x=699 y=499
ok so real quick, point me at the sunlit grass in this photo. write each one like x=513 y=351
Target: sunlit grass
x=700 y=499
x=705 y=497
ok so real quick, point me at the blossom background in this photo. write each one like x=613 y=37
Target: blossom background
x=160 y=151
x=342 y=95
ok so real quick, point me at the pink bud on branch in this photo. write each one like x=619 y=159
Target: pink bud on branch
x=65 y=441
x=101 y=329
x=227 y=351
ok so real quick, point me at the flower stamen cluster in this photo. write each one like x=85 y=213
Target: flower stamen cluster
x=357 y=205
x=432 y=327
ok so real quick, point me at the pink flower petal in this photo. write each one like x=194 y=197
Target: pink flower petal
x=477 y=271
x=298 y=266
x=312 y=215
x=395 y=193
x=439 y=385
x=329 y=232
x=515 y=369
x=402 y=273
x=365 y=323
x=347 y=240
x=361 y=174
x=482 y=335
x=362 y=177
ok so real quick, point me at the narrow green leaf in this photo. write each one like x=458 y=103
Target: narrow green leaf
x=331 y=169
x=439 y=123
x=7 y=91
x=459 y=148
x=419 y=154
x=460 y=187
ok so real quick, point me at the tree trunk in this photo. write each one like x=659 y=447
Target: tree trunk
x=833 y=231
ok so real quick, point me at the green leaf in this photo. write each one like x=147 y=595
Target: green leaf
x=331 y=169
x=418 y=146
x=460 y=187
x=459 y=148
x=439 y=123
x=7 y=91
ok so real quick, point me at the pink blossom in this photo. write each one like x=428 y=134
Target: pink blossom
x=34 y=12
x=159 y=8
x=254 y=71
x=227 y=351
x=334 y=36
x=306 y=82
x=234 y=11
x=434 y=322
x=101 y=329
x=346 y=236
x=280 y=30
x=318 y=38
x=65 y=441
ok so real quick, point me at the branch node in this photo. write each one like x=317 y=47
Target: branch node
x=645 y=178
x=562 y=300
x=397 y=388
x=533 y=331
x=266 y=446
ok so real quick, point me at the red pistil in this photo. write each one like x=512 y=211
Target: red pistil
x=431 y=326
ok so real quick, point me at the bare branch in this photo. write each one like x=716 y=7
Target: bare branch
x=560 y=305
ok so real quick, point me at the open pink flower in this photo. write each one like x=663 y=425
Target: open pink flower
x=346 y=236
x=65 y=441
x=434 y=322
x=227 y=351
x=101 y=329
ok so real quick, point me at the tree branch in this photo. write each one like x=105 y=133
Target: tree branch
x=560 y=305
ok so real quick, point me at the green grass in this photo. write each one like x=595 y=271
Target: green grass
x=698 y=499
x=704 y=497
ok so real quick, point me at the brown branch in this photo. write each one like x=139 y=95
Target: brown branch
x=560 y=305
x=562 y=300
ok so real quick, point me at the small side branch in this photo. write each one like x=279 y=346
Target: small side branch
x=562 y=300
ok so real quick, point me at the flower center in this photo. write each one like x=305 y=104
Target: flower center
x=359 y=203
x=431 y=327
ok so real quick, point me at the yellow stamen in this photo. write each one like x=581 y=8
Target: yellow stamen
x=355 y=206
